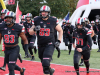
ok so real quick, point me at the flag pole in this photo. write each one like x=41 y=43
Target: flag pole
x=17 y=5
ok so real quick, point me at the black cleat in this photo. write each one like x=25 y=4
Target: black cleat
x=3 y=68
x=98 y=51
x=81 y=64
x=27 y=56
x=52 y=70
x=20 y=58
x=22 y=73
x=33 y=58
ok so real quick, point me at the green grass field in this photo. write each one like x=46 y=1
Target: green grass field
x=64 y=59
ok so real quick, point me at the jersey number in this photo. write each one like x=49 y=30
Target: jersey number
x=9 y=38
x=79 y=40
x=44 y=32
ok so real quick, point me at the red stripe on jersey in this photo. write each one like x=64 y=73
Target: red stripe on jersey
x=89 y=32
x=44 y=7
x=88 y=45
x=23 y=28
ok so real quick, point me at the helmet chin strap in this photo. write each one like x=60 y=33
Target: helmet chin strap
x=8 y=24
x=44 y=17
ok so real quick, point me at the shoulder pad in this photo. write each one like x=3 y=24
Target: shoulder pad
x=20 y=24
x=54 y=17
x=86 y=29
x=35 y=17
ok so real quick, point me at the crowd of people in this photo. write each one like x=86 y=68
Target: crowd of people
x=45 y=28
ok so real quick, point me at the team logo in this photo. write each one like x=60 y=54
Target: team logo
x=9 y=32
x=44 y=25
x=5 y=28
x=12 y=29
x=48 y=23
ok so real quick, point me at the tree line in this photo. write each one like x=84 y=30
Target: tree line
x=59 y=8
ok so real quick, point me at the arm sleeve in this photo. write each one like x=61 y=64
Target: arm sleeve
x=89 y=39
x=73 y=38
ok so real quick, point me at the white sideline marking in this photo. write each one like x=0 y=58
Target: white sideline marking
x=15 y=74
x=56 y=64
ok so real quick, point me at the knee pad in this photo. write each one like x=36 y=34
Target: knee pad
x=46 y=62
x=30 y=46
x=11 y=66
x=46 y=69
x=87 y=63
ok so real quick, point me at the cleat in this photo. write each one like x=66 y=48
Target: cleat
x=98 y=51
x=27 y=56
x=81 y=64
x=52 y=70
x=20 y=58
x=22 y=73
x=3 y=68
x=95 y=43
x=33 y=58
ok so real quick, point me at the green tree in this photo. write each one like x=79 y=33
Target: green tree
x=59 y=8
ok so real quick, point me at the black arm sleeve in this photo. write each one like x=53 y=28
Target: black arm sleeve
x=89 y=39
x=73 y=38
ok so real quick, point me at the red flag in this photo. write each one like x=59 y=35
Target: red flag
x=18 y=14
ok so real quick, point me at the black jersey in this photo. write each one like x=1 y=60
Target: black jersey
x=63 y=26
x=11 y=34
x=83 y=38
x=88 y=26
x=1 y=20
x=95 y=29
x=46 y=33
x=68 y=30
x=27 y=27
x=98 y=28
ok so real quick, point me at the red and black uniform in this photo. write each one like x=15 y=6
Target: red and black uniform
x=89 y=26
x=95 y=32
x=31 y=38
x=1 y=20
x=98 y=33
x=84 y=41
x=46 y=38
x=68 y=36
x=10 y=37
